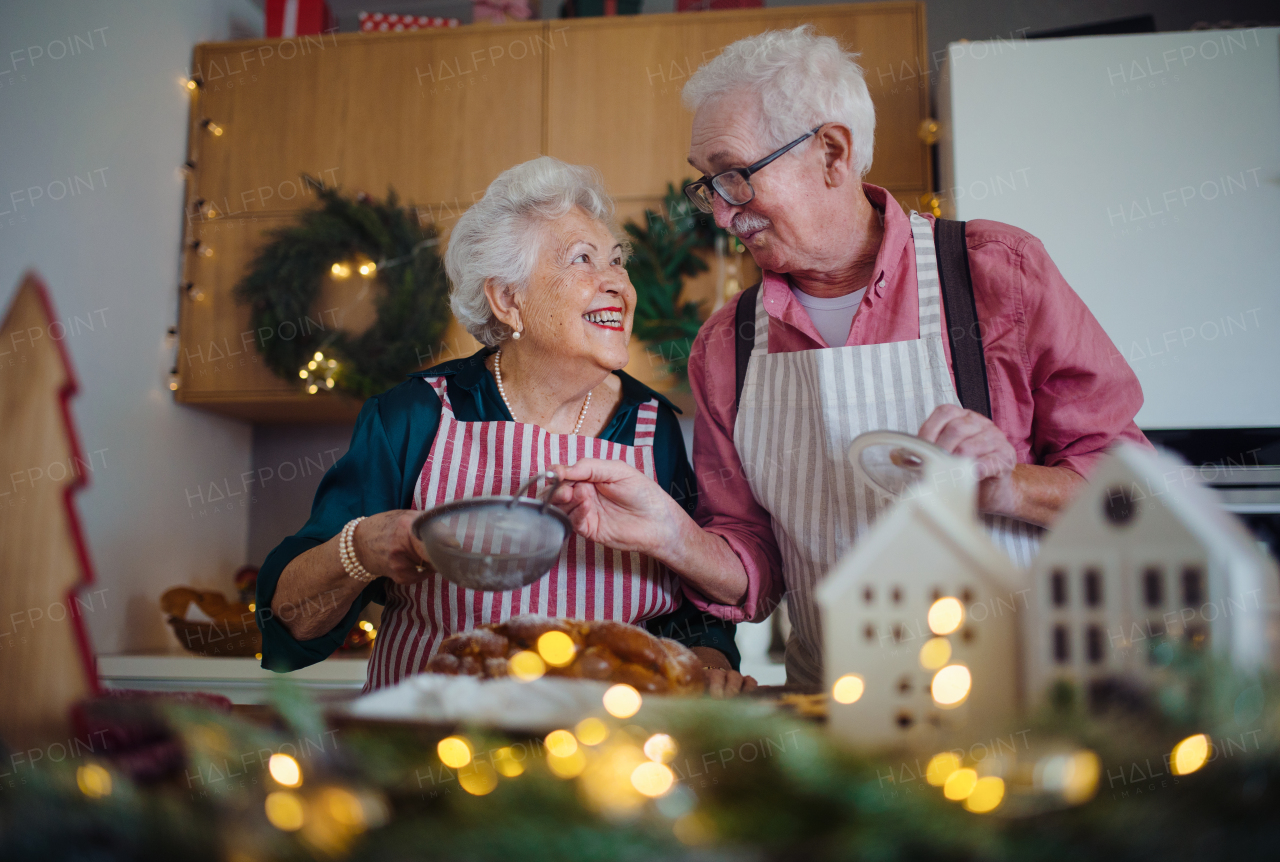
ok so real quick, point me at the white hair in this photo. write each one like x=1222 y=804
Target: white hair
x=500 y=236
x=802 y=81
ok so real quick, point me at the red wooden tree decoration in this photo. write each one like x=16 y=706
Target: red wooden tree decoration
x=46 y=663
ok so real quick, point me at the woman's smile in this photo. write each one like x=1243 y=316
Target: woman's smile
x=606 y=318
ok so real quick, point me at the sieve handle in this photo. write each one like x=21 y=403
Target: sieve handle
x=534 y=479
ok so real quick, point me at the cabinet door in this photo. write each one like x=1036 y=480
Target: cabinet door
x=613 y=89
x=436 y=115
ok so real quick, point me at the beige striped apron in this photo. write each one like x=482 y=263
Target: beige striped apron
x=798 y=414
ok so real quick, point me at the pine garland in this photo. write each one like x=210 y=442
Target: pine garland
x=284 y=281
x=752 y=784
x=664 y=254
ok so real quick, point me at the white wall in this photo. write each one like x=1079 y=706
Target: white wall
x=114 y=115
x=1150 y=168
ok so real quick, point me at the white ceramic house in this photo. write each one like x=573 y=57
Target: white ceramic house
x=1144 y=554
x=876 y=605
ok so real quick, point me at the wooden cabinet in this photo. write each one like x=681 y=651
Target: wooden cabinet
x=436 y=116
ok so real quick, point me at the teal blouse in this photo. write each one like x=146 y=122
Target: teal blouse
x=391 y=441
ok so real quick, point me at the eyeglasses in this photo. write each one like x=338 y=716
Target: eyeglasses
x=734 y=185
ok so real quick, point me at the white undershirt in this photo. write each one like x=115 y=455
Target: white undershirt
x=833 y=318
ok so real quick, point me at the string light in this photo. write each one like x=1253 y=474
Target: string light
x=285 y=770
x=951 y=685
x=174 y=380
x=591 y=731
x=93 y=781
x=454 y=751
x=622 y=701
x=284 y=810
x=945 y=616
x=556 y=648
x=368 y=269
x=192 y=291
x=213 y=128
x=319 y=373
x=1191 y=754
x=848 y=688
x=340 y=270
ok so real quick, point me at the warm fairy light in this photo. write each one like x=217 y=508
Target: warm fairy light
x=480 y=780
x=366 y=625
x=252 y=607
x=368 y=269
x=195 y=293
x=935 y=653
x=986 y=795
x=312 y=389
x=373 y=633
x=93 y=781
x=318 y=357
x=848 y=688
x=344 y=807
x=951 y=685
x=205 y=250
x=945 y=616
x=331 y=363
x=174 y=381
x=940 y=768
x=526 y=666
x=504 y=760
x=1191 y=754
x=1074 y=776
x=561 y=743
x=284 y=810
x=213 y=128
x=340 y=270
x=660 y=748
x=652 y=779
x=591 y=731
x=454 y=751
x=191 y=84
x=303 y=374
x=258 y=656
x=567 y=767
x=622 y=701
x=285 y=770
x=556 y=648
x=311 y=366
x=960 y=784
x=328 y=383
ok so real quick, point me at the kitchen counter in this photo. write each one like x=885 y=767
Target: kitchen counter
x=241 y=680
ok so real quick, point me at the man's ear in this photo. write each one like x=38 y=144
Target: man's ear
x=836 y=144
x=502 y=301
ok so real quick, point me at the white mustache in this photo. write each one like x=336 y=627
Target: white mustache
x=747 y=223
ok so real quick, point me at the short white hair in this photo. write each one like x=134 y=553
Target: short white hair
x=802 y=81
x=500 y=237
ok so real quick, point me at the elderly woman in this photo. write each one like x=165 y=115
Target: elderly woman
x=538 y=276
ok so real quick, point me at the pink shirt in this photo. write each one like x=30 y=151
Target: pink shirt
x=1060 y=390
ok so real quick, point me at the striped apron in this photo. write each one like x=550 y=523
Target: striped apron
x=798 y=414
x=588 y=582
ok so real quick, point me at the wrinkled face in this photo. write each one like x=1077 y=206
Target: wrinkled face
x=579 y=303
x=780 y=225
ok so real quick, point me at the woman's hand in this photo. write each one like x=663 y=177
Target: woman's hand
x=386 y=546
x=722 y=680
x=614 y=504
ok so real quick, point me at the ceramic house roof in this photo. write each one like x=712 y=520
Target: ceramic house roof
x=964 y=534
x=1160 y=477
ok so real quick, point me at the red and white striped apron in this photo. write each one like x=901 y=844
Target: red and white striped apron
x=588 y=582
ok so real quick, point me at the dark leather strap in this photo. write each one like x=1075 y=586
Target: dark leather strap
x=964 y=332
x=744 y=337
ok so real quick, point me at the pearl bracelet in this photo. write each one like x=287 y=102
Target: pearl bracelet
x=347 y=553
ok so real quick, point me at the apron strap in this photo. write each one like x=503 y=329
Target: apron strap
x=964 y=332
x=749 y=332
x=646 y=424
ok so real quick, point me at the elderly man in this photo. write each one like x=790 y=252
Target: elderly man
x=851 y=335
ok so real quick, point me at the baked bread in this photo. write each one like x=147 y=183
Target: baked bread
x=607 y=651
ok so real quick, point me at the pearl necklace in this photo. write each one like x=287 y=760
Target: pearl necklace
x=497 y=375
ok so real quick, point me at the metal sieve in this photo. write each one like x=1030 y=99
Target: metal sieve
x=495 y=543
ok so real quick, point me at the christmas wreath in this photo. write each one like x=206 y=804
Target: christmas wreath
x=349 y=236
x=665 y=251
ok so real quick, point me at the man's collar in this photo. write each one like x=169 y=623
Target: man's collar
x=470 y=372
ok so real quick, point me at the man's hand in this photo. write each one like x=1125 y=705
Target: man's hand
x=722 y=680
x=972 y=435
x=614 y=504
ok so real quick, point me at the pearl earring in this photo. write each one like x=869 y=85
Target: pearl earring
x=516 y=335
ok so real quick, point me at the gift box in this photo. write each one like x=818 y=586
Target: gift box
x=287 y=18
x=598 y=8
x=386 y=22
x=704 y=5
x=501 y=11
